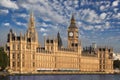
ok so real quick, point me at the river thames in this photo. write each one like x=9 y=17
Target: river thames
x=61 y=77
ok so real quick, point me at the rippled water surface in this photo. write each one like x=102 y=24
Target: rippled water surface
x=61 y=77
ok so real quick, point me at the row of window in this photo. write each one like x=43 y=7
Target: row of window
x=49 y=41
x=105 y=49
x=74 y=44
x=17 y=64
x=14 y=56
x=17 y=47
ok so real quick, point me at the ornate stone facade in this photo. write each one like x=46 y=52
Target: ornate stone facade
x=26 y=55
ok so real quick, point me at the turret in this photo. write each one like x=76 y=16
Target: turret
x=59 y=40
x=31 y=32
x=51 y=44
x=11 y=36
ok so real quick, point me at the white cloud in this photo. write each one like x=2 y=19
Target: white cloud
x=103 y=15
x=107 y=24
x=116 y=10
x=102 y=7
x=23 y=15
x=117 y=16
x=43 y=30
x=92 y=21
x=79 y=24
x=76 y=1
x=6 y=24
x=89 y=16
x=44 y=34
x=21 y=24
x=88 y=27
x=51 y=10
x=4 y=11
x=8 y=4
x=115 y=3
x=98 y=26
x=44 y=25
x=46 y=19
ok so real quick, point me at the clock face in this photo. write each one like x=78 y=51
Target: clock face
x=70 y=33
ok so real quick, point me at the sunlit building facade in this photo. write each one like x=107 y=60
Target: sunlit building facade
x=27 y=55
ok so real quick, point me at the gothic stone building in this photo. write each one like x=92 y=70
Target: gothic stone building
x=26 y=55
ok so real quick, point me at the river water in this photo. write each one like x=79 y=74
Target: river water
x=61 y=77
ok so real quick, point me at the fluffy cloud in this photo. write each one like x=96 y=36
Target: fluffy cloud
x=102 y=7
x=103 y=15
x=4 y=11
x=23 y=15
x=9 y=4
x=52 y=10
x=46 y=18
x=116 y=10
x=56 y=13
x=98 y=26
x=116 y=16
x=6 y=24
x=115 y=3
x=88 y=15
x=44 y=34
x=45 y=25
x=43 y=30
x=21 y=24
x=90 y=20
x=88 y=27
x=107 y=24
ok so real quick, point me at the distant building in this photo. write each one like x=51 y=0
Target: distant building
x=94 y=45
x=116 y=56
x=26 y=55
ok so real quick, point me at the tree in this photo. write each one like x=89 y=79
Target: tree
x=3 y=59
x=116 y=64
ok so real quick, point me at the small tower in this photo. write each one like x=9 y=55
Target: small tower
x=73 y=34
x=94 y=45
x=11 y=36
x=59 y=40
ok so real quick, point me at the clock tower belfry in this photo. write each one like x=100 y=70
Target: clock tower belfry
x=73 y=37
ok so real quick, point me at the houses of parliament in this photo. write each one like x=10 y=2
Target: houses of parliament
x=26 y=55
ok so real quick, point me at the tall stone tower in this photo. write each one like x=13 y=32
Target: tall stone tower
x=73 y=41
x=31 y=32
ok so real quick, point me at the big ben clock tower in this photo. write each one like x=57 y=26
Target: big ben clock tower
x=73 y=41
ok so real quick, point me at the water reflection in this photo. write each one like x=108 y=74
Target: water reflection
x=62 y=77
x=4 y=78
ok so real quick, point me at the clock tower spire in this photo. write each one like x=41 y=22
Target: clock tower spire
x=73 y=34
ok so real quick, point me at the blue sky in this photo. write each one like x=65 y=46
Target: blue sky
x=98 y=20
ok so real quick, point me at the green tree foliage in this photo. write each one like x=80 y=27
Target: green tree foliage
x=116 y=64
x=3 y=59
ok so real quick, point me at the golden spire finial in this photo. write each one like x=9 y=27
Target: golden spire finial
x=32 y=24
x=31 y=16
x=72 y=18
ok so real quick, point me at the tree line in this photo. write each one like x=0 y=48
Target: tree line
x=4 y=60
x=116 y=64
